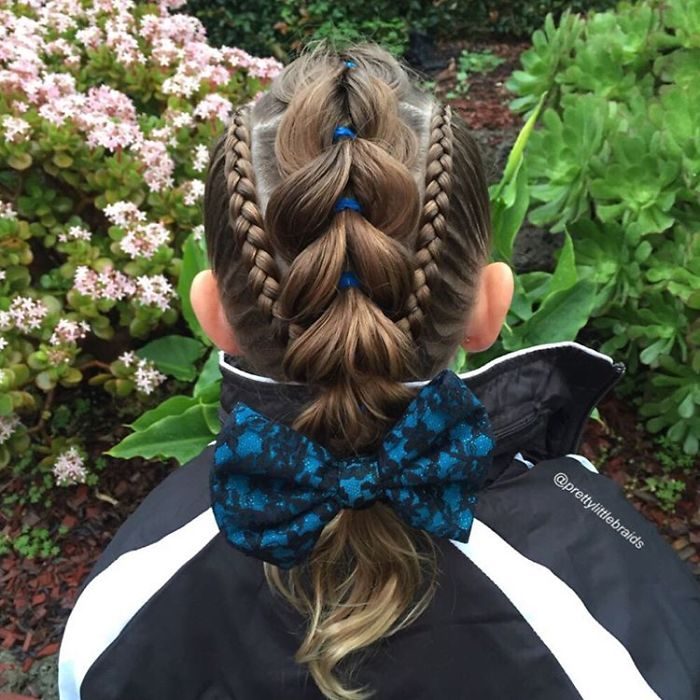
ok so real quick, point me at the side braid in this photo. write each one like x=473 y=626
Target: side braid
x=433 y=225
x=245 y=217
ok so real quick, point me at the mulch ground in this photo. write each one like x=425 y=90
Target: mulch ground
x=36 y=596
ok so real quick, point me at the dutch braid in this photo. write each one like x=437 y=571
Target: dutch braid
x=433 y=227
x=245 y=218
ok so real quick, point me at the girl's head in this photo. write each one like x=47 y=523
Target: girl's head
x=355 y=303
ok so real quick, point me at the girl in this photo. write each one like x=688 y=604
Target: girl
x=367 y=522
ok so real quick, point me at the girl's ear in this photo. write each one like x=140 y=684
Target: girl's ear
x=206 y=303
x=494 y=295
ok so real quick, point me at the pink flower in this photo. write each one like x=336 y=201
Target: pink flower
x=194 y=191
x=201 y=158
x=128 y=358
x=181 y=84
x=147 y=377
x=144 y=240
x=109 y=284
x=159 y=165
x=110 y=103
x=90 y=37
x=8 y=426
x=69 y=467
x=214 y=106
x=26 y=314
x=68 y=331
x=16 y=129
x=179 y=120
x=154 y=290
x=124 y=214
x=74 y=233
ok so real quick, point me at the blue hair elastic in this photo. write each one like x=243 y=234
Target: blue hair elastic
x=343 y=132
x=348 y=279
x=347 y=203
x=351 y=64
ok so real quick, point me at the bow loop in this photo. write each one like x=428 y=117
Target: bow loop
x=274 y=490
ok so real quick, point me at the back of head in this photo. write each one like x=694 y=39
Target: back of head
x=409 y=246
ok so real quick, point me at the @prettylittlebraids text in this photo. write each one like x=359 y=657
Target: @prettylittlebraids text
x=562 y=481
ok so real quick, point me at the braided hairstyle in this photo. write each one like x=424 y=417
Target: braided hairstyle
x=413 y=243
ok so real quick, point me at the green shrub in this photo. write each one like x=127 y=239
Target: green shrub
x=616 y=165
x=281 y=28
x=106 y=118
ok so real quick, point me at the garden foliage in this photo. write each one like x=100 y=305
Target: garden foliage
x=615 y=164
x=107 y=111
x=281 y=27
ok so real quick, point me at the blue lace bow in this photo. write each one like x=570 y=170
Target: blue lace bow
x=274 y=490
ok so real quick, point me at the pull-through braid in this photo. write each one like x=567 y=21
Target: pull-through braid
x=245 y=217
x=433 y=226
x=370 y=573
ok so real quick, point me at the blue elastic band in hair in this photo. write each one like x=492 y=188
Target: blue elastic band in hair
x=351 y=64
x=343 y=132
x=347 y=203
x=348 y=279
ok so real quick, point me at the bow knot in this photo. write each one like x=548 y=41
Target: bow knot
x=359 y=481
x=274 y=490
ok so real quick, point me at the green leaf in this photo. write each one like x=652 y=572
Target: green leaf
x=210 y=372
x=507 y=219
x=62 y=160
x=194 y=260
x=175 y=355
x=5 y=404
x=174 y=406
x=565 y=275
x=561 y=316
x=211 y=416
x=516 y=154
x=182 y=437
x=19 y=161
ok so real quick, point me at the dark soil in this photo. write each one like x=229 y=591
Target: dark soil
x=36 y=596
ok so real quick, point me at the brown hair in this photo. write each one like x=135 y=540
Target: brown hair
x=278 y=250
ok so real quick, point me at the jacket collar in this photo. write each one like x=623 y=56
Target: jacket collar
x=538 y=398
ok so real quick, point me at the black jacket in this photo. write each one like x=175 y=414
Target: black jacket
x=563 y=591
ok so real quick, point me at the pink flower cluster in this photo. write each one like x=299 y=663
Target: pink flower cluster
x=144 y=240
x=194 y=191
x=67 y=331
x=146 y=376
x=112 y=285
x=124 y=214
x=154 y=291
x=201 y=158
x=16 y=129
x=214 y=107
x=69 y=468
x=74 y=233
x=158 y=163
x=141 y=239
x=263 y=68
x=173 y=45
x=109 y=284
x=25 y=314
